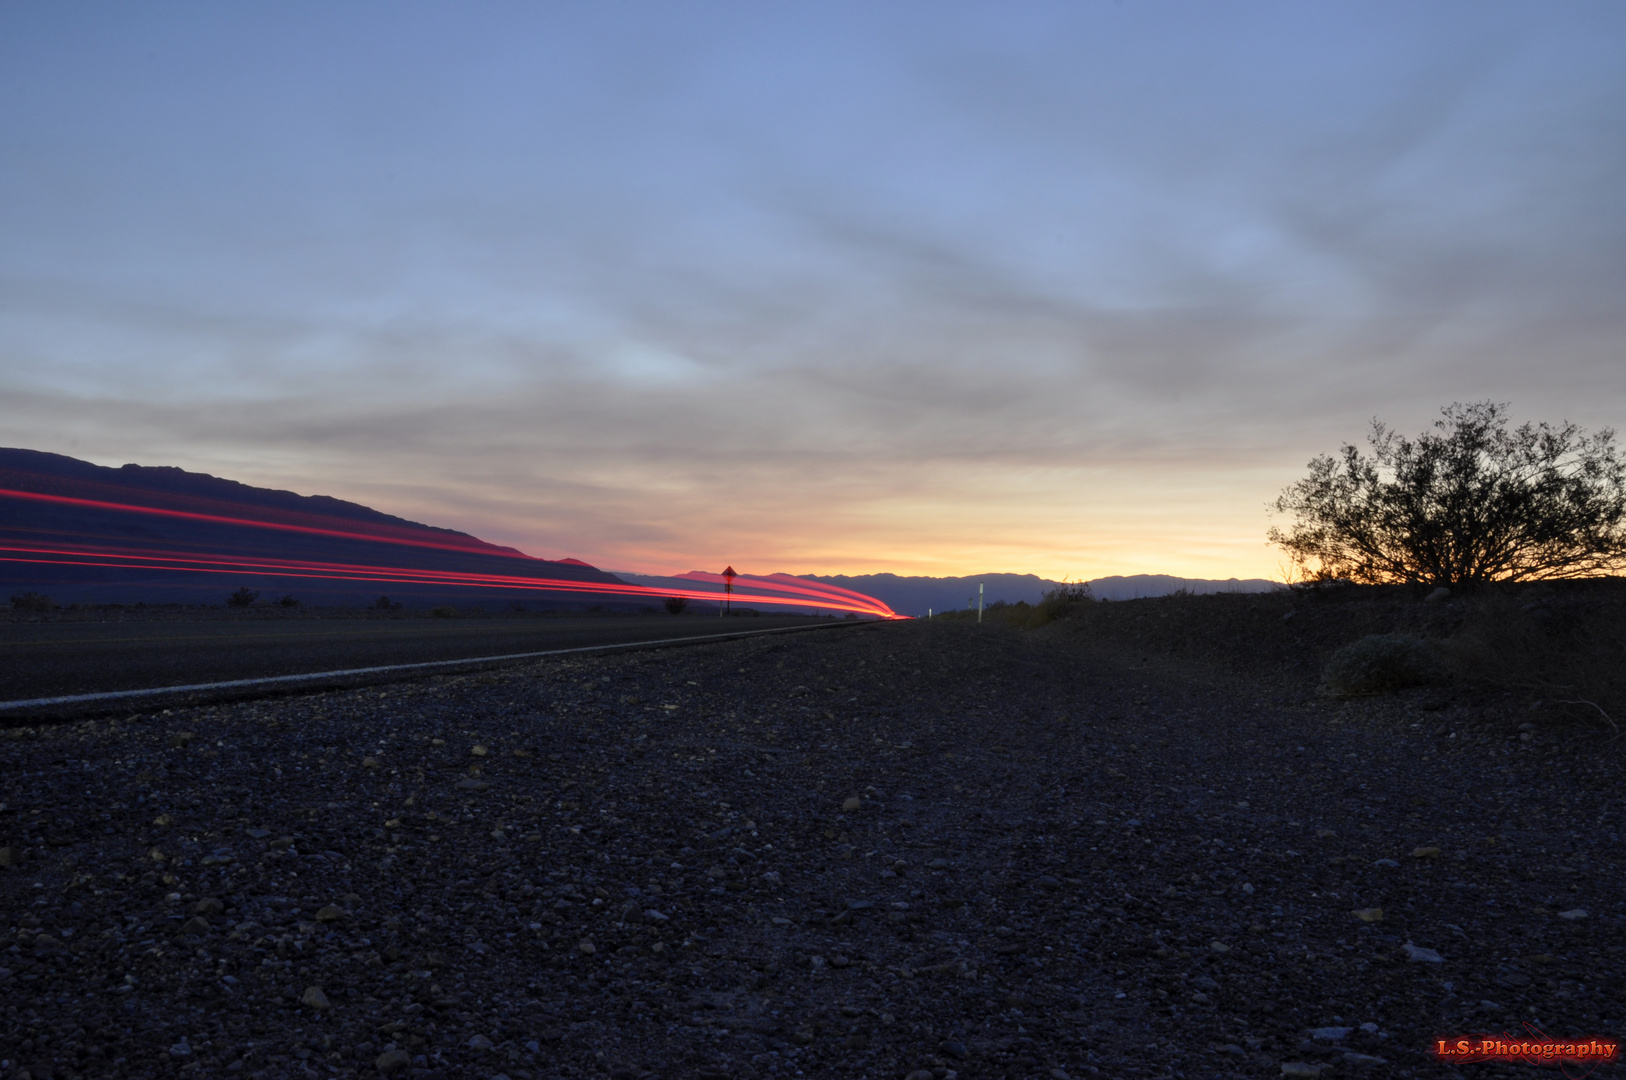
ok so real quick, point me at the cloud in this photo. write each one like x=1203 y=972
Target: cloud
x=1073 y=293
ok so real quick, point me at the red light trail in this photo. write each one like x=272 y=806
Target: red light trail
x=102 y=558
x=777 y=589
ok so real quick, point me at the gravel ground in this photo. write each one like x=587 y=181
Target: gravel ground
x=909 y=849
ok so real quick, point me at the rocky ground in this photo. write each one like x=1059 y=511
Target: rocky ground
x=894 y=850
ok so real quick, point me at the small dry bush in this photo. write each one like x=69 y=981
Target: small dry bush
x=1061 y=602
x=445 y=611
x=1381 y=662
x=31 y=601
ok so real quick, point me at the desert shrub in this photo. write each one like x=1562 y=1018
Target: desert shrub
x=445 y=611
x=243 y=597
x=1380 y=662
x=384 y=603
x=290 y=600
x=1060 y=602
x=676 y=605
x=1470 y=503
x=31 y=601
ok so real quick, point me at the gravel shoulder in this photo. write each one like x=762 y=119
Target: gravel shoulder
x=972 y=851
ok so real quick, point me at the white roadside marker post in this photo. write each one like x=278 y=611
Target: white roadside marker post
x=979 y=601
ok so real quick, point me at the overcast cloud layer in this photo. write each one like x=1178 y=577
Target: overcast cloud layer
x=1063 y=289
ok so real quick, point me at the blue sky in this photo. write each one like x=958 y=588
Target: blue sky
x=1070 y=289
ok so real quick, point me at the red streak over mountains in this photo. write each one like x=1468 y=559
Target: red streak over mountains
x=86 y=533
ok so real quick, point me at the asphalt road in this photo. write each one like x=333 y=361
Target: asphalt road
x=47 y=659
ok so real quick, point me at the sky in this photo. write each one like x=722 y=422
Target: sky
x=1072 y=289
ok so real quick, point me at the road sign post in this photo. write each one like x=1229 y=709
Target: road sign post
x=728 y=589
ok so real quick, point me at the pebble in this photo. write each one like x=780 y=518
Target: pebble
x=479 y=1042
x=392 y=1061
x=1369 y=914
x=1426 y=853
x=314 y=998
x=1363 y=1061
x=1421 y=956
x=1573 y=914
x=330 y=913
x=1330 y=1034
x=1301 y=1068
x=852 y=803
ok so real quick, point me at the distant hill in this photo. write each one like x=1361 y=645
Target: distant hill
x=86 y=533
x=915 y=595
x=1142 y=585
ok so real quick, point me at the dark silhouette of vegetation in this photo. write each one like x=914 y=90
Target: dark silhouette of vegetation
x=445 y=611
x=1381 y=662
x=31 y=601
x=1471 y=502
x=290 y=600
x=384 y=603
x=1060 y=602
x=677 y=605
x=243 y=597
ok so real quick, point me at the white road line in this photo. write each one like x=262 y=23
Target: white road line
x=274 y=680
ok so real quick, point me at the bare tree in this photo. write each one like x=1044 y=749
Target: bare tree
x=1467 y=503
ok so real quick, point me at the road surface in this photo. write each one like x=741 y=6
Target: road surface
x=61 y=658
